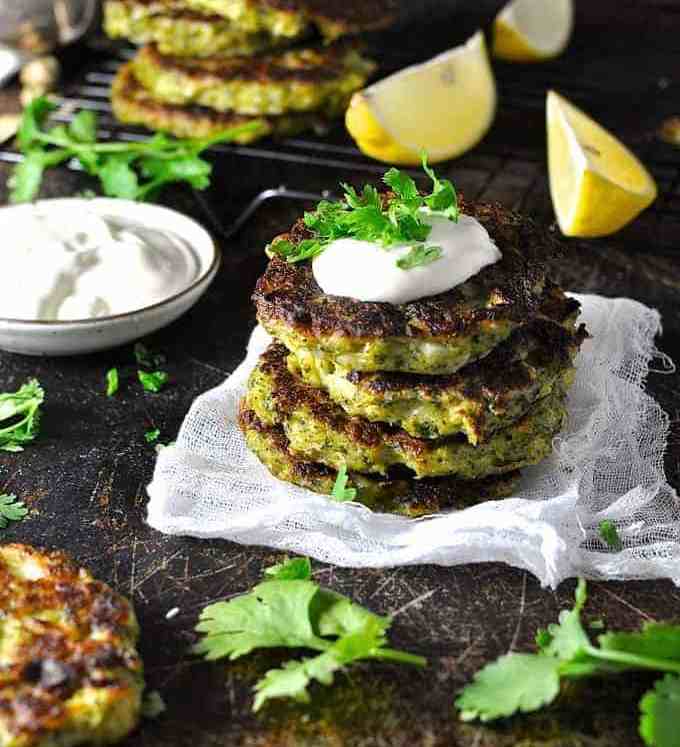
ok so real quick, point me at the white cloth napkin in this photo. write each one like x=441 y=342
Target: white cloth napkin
x=607 y=464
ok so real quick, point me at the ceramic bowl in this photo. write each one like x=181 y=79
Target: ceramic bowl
x=61 y=338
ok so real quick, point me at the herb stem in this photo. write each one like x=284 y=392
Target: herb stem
x=390 y=654
x=634 y=661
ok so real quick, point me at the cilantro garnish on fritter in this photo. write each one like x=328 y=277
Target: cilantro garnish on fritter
x=341 y=493
x=20 y=416
x=368 y=217
x=290 y=610
x=520 y=682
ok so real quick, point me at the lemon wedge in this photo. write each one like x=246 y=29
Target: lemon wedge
x=533 y=30
x=444 y=107
x=597 y=184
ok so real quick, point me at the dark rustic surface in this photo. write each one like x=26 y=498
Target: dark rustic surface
x=84 y=479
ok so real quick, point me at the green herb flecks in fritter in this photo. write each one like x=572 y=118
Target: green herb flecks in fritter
x=314 y=78
x=69 y=670
x=320 y=431
x=477 y=401
x=133 y=104
x=394 y=494
x=205 y=27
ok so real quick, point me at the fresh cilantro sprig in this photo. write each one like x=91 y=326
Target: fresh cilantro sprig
x=130 y=170
x=152 y=436
x=153 y=381
x=341 y=493
x=289 y=610
x=610 y=535
x=20 y=416
x=112 y=382
x=520 y=682
x=11 y=509
x=366 y=216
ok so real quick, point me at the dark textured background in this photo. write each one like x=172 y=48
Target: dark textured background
x=84 y=479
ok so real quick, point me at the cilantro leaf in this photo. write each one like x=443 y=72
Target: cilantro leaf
x=152 y=436
x=396 y=219
x=520 y=682
x=153 y=705
x=83 y=126
x=274 y=614
x=443 y=198
x=341 y=492
x=153 y=381
x=515 y=682
x=610 y=535
x=290 y=570
x=419 y=256
x=567 y=638
x=294 y=677
x=118 y=178
x=660 y=713
x=11 y=509
x=290 y=610
x=133 y=170
x=22 y=409
x=112 y=382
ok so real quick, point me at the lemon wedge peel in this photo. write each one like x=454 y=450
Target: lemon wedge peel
x=533 y=30
x=597 y=184
x=444 y=106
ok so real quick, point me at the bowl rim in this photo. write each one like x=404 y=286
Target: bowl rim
x=211 y=270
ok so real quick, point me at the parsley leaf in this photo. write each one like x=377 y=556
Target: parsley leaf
x=112 y=382
x=610 y=535
x=398 y=219
x=152 y=436
x=341 y=492
x=11 y=509
x=22 y=409
x=287 y=609
x=660 y=713
x=153 y=381
x=418 y=256
x=132 y=170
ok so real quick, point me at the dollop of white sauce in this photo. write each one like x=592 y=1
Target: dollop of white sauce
x=369 y=272
x=66 y=263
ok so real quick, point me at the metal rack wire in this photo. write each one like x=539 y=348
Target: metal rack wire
x=509 y=166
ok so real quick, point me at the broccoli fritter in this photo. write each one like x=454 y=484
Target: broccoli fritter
x=218 y=26
x=321 y=431
x=69 y=671
x=477 y=401
x=436 y=335
x=394 y=494
x=133 y=104
x=180 y=32
x=314 y=78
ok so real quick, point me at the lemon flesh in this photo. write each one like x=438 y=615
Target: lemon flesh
x=533 y=30
x=597 y=185
x=444 y=107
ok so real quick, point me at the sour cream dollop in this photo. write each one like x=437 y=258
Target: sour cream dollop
x=64 y=262
x=368 y=272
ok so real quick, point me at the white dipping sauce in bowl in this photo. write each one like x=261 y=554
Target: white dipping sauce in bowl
x=70 y=262
x=81 y=275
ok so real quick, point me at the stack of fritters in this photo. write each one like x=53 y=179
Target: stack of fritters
x=209 y=65
x=431 y=404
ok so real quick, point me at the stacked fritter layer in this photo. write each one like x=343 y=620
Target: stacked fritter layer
x=432 y=404
x=209 y=65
